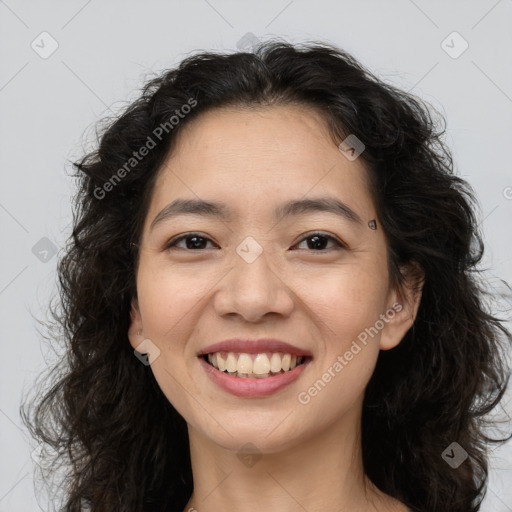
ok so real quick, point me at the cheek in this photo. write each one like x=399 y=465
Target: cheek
x=345 y=312
x=168 y=297
x=347 y=300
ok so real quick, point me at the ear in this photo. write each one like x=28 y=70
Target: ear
x=135 y=332
x=403 y=305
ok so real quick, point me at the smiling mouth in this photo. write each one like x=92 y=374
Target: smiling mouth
x=254 y=366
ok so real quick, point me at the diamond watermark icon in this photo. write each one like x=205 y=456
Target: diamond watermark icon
x=249 y=250
x=454 y=455
x=146 y=352
x=45 y=45
x=454 y=45
x=351 y=147
x=249 y=455
x=44 y=249
x=248 y=42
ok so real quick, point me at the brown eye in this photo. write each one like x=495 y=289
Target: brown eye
x=319 y=240
x=193 y=241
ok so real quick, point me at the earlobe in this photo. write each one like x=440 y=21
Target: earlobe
x=403 y=309
x=135 y=329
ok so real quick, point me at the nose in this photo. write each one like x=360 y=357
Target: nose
x=253 y=290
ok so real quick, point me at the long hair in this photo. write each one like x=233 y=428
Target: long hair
x=102 y=414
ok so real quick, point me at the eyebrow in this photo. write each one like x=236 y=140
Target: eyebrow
x=291 y=208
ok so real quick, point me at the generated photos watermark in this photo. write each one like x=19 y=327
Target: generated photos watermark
x=343 y=360
x=137 y=156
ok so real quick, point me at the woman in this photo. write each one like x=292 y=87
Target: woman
x=270 y=300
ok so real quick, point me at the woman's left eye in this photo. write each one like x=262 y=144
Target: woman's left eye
x=319 y=241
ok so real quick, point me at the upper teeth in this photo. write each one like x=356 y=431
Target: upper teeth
x=257 y=364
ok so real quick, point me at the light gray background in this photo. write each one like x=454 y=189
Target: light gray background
x=105 y=51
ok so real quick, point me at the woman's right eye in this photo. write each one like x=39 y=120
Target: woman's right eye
x=197 y=241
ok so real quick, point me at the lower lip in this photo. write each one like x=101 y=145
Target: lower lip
x=252 y=386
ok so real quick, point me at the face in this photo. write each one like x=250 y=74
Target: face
x=315 y=279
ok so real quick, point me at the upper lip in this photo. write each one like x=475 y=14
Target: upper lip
x=254 y=347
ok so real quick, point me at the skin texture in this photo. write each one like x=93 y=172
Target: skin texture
x=316 y=299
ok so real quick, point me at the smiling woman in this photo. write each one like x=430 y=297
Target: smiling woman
x=294 y=264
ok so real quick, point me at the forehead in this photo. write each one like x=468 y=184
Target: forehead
x=259 y=156
x=230 y=135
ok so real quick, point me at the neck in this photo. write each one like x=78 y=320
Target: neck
x=322 y=473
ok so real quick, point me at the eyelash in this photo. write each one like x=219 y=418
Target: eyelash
x=340 y=245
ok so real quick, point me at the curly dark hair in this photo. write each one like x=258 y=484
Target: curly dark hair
x=103 y=414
